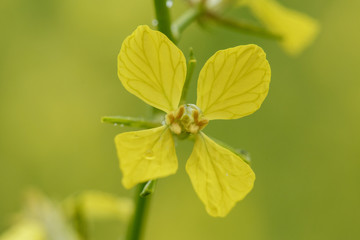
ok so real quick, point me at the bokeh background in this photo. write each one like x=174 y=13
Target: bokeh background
x=58 y=77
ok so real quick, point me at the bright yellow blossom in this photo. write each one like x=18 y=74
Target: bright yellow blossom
x=296 y=29
x=25 y=229
x=232 y=84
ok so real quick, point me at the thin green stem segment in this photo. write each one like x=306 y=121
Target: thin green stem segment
x=190 y=71
x=137 y=223
x=186 y=19
x=242 y=26
x=129 y=121
x=163 y=17
x=138 y=220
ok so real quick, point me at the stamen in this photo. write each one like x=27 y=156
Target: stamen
x=169 y=118
x=203 y=123
x=186 y=119
x=194 y=128
x=180 y=112
x=175 y=128
x=195 y=115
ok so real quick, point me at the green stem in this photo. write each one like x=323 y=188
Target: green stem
x=163 y=17
x=137 y=223
x=80 y=222
x=162 y=13
x=242 y=26
x=190 y=71
x=138 y=220
x=129 y=121
x=186 y=19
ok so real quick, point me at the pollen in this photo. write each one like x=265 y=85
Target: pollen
x=186 y=119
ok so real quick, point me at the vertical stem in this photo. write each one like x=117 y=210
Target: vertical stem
x=186 y=19
x=138 y=220
x=162 y=13
x=163 y=16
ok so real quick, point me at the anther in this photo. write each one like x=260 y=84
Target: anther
x=180 y=112
x=202 y=123
x=195 y=115
x=169 y=119
x=175 y=128
x=193 y=129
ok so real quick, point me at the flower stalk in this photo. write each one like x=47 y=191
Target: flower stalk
x=145 y=190
x=137 y=223
x=163 y=17
x=180 y=24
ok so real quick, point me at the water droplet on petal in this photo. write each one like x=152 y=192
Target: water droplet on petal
x=149 y=155
x=169 y=3
x=155 y=22
x=227 y=174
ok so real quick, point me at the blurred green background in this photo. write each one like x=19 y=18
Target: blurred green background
x=58 y=77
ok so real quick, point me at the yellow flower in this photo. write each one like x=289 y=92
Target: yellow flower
x=296 y=29
x=232 y=84
x=25 y=229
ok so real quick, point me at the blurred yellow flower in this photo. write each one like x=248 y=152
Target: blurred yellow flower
x=98 y=205
x=296 y=29
x=26 y=229
x=232 y=84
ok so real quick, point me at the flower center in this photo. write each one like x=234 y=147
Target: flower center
x=186 y=119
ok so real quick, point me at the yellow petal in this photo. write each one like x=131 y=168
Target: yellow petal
x=219 y=177
x=146 y=155
x=233 y=83
x=152 y=68
x=297 y=29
